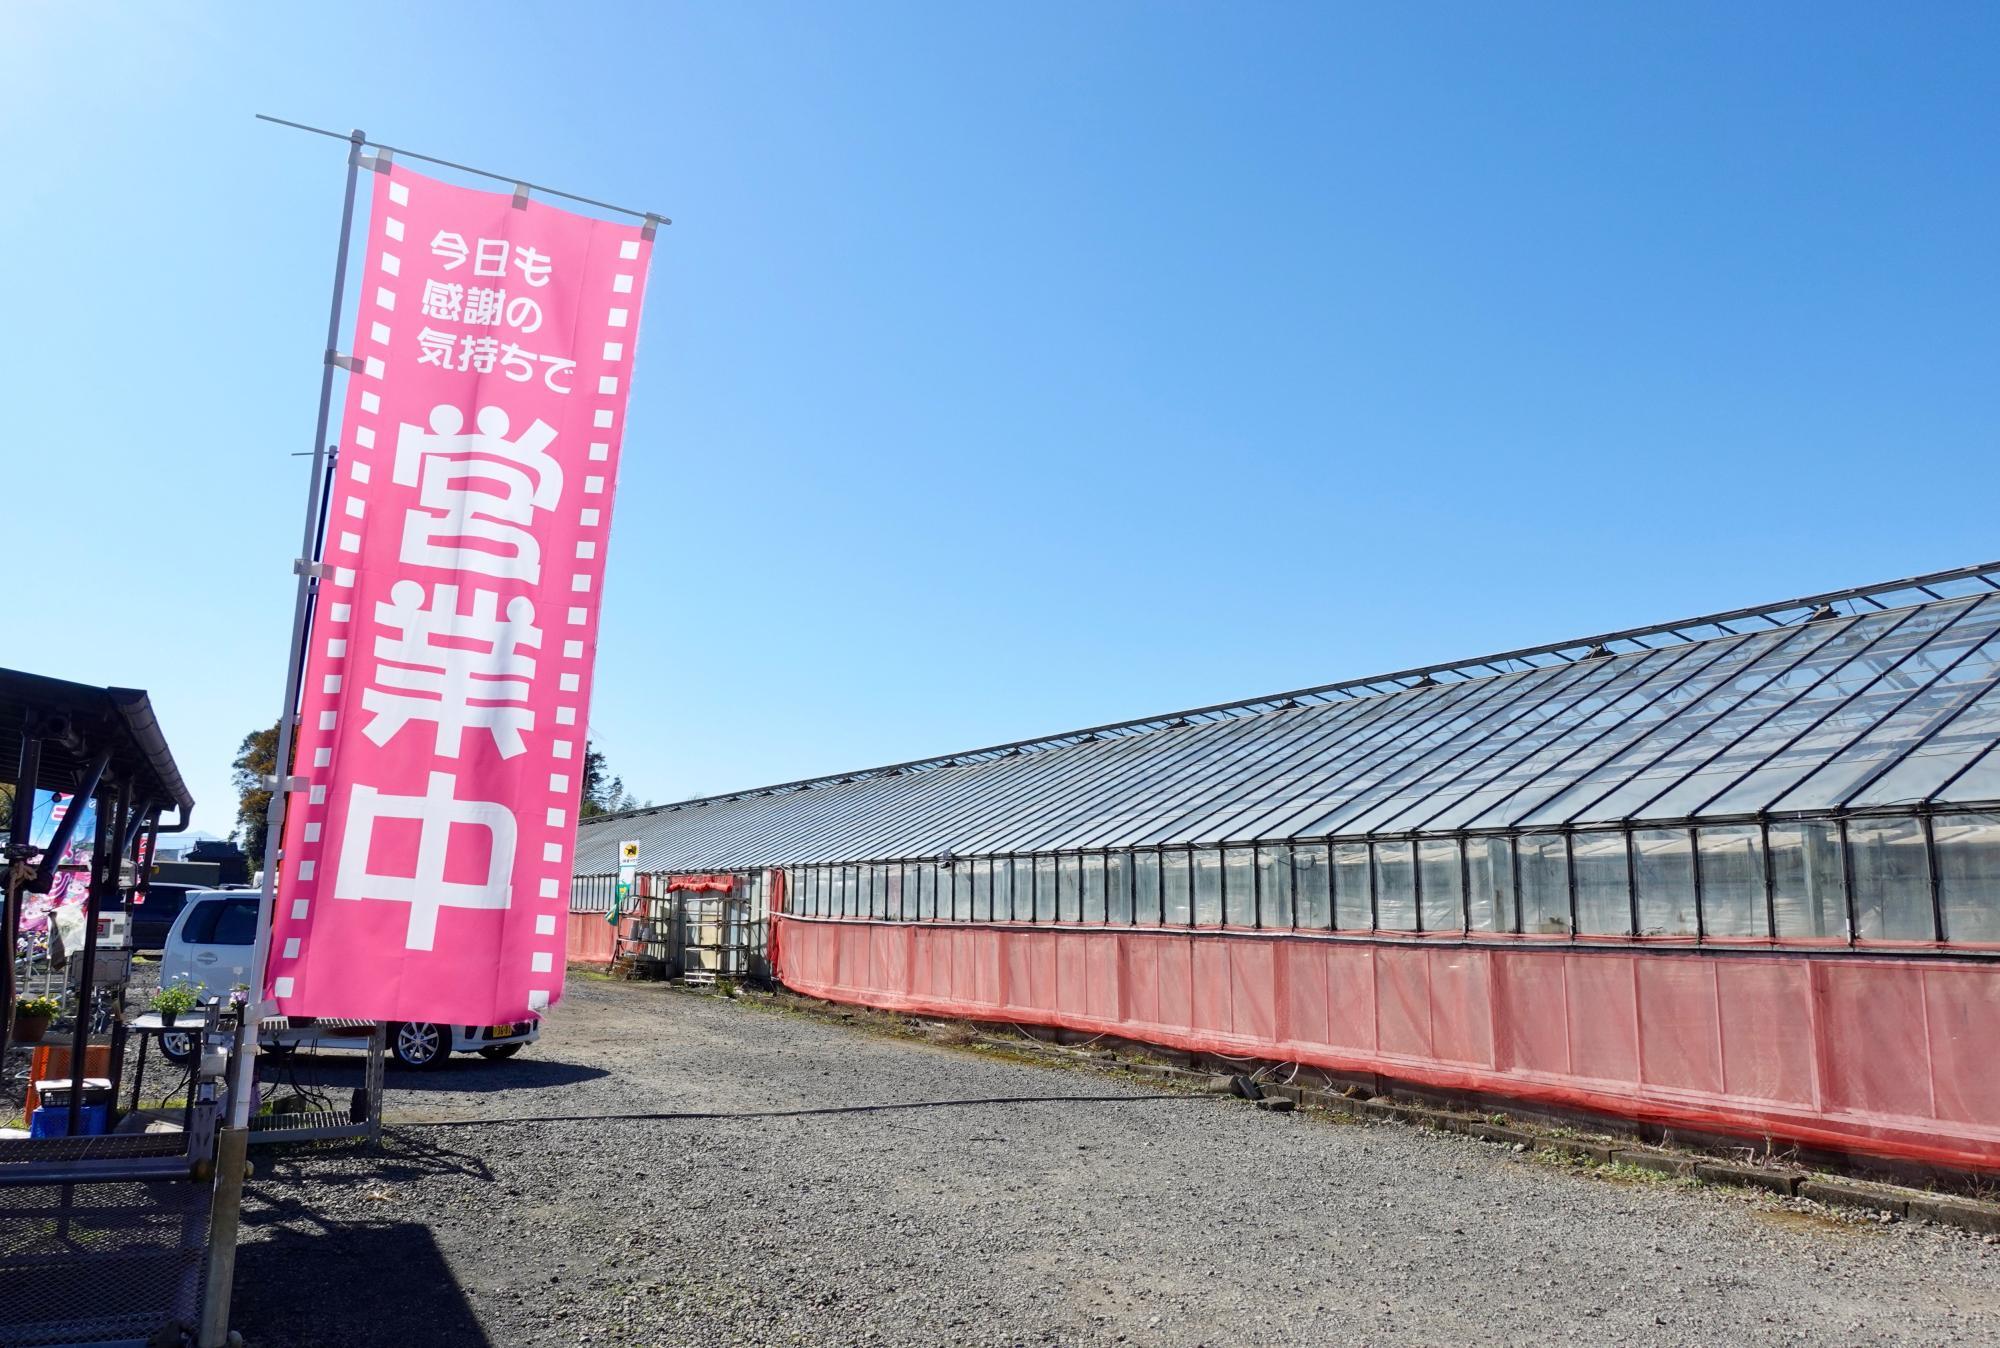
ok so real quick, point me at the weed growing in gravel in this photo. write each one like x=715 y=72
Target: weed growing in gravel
x=1618 y=1172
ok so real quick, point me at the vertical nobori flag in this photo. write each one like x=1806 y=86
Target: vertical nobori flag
x=427 y=860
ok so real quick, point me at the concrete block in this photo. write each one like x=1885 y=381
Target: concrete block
x=1972 y=1214
x=1599 y=1152
x=1749 y=1176
x=1330 y=1101
x=1662 y=1162
x=1849 y=1193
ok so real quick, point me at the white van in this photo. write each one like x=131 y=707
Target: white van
x=210 y=945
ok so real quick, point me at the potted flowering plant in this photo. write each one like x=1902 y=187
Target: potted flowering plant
x=173 y=999
x=32 y=1016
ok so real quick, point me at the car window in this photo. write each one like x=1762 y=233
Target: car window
x=201 y=923
x=236 y=924
x=199 y=929
x=164 y=900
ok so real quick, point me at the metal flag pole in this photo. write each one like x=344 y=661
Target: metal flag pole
x=307 y=568
x=521 y=185
x=233 y=1141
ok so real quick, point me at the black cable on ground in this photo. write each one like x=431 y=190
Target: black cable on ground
x=797 y=1113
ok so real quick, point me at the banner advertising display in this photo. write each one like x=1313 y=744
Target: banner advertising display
x=427 y=856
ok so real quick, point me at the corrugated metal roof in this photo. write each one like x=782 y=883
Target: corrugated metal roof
x=1837 y=705
x=119 y=720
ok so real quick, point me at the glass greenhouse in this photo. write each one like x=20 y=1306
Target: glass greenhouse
x=1819 y=771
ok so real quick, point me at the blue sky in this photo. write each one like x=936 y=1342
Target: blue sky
x=1016 y=367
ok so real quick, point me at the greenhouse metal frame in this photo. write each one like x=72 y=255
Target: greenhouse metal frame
x=1820 y=772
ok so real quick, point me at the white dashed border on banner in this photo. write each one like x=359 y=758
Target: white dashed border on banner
x=338 y=628
x=336 y=600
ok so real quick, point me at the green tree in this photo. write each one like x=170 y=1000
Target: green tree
x=256 y=762
x=593 y=781
x=601 y=792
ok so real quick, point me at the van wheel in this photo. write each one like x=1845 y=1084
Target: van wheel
x=177 y=1046
x=499 y=1051
x=419 y=1044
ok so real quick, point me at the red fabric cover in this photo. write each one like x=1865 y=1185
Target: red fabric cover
x=775 y=881
x=702 y=884
x=590 y=939
x=1875 y=1056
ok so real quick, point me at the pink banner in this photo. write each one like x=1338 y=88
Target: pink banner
x=427 y=864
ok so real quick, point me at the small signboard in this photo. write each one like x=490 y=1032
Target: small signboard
x=628 y=869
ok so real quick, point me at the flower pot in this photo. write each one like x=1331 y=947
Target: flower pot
x=167 y=1017
x=29 y=1029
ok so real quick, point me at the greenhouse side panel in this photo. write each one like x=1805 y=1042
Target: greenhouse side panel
x=1869 y=1055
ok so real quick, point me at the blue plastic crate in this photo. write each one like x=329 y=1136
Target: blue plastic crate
x=53 y=1121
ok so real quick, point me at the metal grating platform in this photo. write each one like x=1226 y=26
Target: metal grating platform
x=100 y=1263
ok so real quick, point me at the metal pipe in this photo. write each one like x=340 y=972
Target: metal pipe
x=1929 y=825
x=136 y=821
x=1847 y=883
x=110 y=821
x=1770 y=878
x=45 y=874
x=274 y=832
x=1694 y=864
x=149 y=856
x=20 y=828
x=1514 y=880
x=467 y=168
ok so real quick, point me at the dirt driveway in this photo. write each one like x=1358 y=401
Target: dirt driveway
x=902 y=1218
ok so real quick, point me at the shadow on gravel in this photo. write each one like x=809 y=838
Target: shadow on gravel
x=463 y=1074
x=351 y=1284
x=515 y=1074
x=400 y=1159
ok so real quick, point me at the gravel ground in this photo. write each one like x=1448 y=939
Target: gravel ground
x=1190 y=1220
